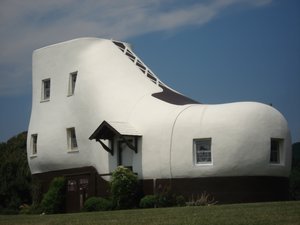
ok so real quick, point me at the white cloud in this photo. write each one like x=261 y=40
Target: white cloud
x=30 y=24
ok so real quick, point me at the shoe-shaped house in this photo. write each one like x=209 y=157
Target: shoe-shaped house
x=96 y=105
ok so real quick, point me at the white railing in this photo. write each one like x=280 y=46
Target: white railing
x=138 y=62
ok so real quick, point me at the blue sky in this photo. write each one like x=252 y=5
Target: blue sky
x=214 y=51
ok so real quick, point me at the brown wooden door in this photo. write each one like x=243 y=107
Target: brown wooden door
x=77 y=192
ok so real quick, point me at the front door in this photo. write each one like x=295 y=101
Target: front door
x=125 y=154
x=77 y=192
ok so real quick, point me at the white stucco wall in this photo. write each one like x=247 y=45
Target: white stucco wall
x=110 y=87
x=241 y=136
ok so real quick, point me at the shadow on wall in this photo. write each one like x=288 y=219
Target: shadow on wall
x=125 y=156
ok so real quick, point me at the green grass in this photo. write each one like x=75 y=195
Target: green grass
x=287 y=213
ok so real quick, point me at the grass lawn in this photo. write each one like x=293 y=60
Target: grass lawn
x=274 y=213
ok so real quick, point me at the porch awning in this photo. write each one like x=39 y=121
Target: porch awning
x=109 y=130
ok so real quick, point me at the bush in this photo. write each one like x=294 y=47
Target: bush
x=295 y=183
x=149 y=201
x=180 y=200
x=35 y=207
x=295 y=173
x=166 y=198
x=203 y=200
x=53 y=200
x=30 y=209
x=97 y=204
x=124 y=188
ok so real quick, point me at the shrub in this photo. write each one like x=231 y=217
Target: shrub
x=295 y=183
x=24 y=209
x=180 y=200
x=203 y=200
x=53 y=200
x=124 y=188
x=97 y=204
x=30 y=209
x=149 y=201
x=166 y=198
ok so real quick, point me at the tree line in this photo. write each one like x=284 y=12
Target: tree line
x=15 y=176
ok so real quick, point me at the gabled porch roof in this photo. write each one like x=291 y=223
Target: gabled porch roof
x=110 y=130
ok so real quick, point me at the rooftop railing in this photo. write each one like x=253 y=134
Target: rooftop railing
x=138 y=62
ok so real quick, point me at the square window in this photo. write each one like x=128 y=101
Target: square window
x=46 y=89
x=275 y=150
x=72 y=83
x=72 y=185
x=33 y=144
x=72 y=141
x=202 y=151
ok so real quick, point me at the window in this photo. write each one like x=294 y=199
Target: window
x=34 y=144
x=72 y=185
x=72 y=142
x=72 y=82
x=276 y=146
x=202 y=151
x=46 y=89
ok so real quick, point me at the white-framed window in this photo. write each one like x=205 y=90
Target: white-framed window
x=46 y=84
x=33 y=144
x=72 y=83
x=275 y=150
x=72 y=141
x=202 y=151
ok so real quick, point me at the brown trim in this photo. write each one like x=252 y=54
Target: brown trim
x=127 y=142
x=230 y=189
x=172 y=97
x=106 y=148
x=223 y=189
x=97 y=186
x=106 y=131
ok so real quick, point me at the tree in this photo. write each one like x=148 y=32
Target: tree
x=15 y=176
